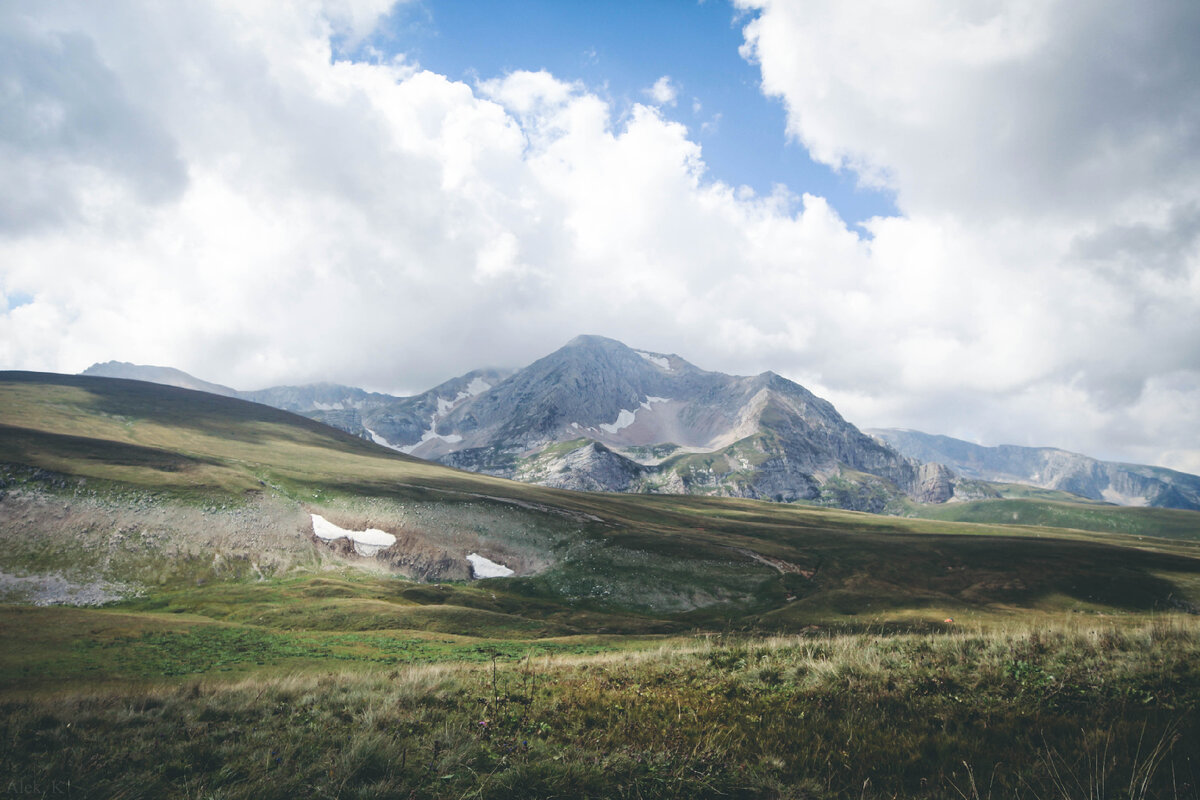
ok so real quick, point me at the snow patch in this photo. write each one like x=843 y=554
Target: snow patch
x=477 y=386
x=329 y=406
x=377 y=439
x=486 y=568
x=626 y=417
x=1113 y=496
x=430 y=434
x=624 y=420
x=366 y=543
x=444 y=407
x=658 y=361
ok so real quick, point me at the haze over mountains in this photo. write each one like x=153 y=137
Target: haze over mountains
x=1051 y=468
x=598 y=415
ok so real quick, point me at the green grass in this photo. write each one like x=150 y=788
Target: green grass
x=1063 y=712
x=97 y=464
x=562 y=448
x=1022 y=491
x=54 y=648
x=633 y=659
x=1080 y=515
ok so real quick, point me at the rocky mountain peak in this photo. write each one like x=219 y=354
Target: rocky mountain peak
x=597 y=414
x=591 y=340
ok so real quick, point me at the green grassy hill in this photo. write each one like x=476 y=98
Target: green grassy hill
x=1063 y=513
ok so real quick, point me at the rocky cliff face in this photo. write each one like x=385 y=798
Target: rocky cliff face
x=1050 y=468
x=598 y=415
x=584 y=466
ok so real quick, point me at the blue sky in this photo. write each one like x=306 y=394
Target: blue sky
x=619 y=49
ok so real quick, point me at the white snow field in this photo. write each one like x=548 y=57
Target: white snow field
x=486 y=568
x=626 y=418
x=477 y=386
x=366 y=543
x=375 y=437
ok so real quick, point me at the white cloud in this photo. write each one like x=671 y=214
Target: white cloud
x=663 y=92
x=215 y=189
x=1044 y=156
x=1013 y=109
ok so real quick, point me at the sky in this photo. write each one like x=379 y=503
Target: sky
x=978 y=219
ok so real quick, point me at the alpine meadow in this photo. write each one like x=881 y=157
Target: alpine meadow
x=759 y=399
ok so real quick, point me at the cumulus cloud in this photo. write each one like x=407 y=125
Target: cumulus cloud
x=215 y=187
x=1045 y=158
x=69 y=132
x=663 y=92
x=1012 y=109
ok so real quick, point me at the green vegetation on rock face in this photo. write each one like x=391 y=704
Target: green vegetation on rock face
x=650 y=452
x=861 y=492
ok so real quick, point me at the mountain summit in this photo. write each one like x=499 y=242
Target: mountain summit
x=167 y=376
x=599 y=415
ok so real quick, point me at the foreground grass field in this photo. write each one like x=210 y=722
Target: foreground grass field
x=1079 y=711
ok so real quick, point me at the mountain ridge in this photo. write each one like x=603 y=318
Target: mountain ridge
x=599 y=415
x=1051 y=468
x=168 y=376
x=760 y=436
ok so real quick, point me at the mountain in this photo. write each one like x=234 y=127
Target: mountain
x=600 y=416
x=402 y=423
x=211 y=505
x=168 y=376
x=1050 y=468
x=378 y=417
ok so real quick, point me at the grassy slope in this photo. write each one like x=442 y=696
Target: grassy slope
x=1064 y=713
x=325 y=680
x=682 y=560
x=1060 y=513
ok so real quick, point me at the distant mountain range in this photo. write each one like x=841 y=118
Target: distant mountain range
x=1051 y=468
x=597 y=415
